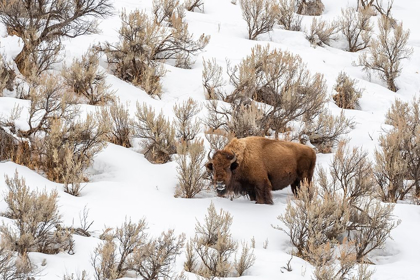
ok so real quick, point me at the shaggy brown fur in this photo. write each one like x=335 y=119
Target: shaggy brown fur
x=261 y=165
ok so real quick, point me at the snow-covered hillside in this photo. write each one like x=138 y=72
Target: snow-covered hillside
x=123 y=184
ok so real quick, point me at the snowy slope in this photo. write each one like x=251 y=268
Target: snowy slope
x=123 y=184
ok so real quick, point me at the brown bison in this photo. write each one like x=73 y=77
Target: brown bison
x=254 y=166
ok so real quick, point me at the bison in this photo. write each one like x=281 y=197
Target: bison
x=254 y=166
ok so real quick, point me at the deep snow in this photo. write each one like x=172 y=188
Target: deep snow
x=123 y=184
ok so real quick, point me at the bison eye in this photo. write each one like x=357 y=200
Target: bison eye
x=234 y=165
x=209 y=166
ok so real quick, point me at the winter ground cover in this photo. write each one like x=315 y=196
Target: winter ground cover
x=123 y=184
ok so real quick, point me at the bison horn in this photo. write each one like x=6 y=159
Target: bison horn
x=208 y=156
x=234 y=158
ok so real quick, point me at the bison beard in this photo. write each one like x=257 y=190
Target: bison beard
x=255 y=166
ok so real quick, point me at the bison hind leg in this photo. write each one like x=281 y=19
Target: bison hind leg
x=295 y=185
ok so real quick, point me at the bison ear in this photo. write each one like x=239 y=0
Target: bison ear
x=209 y=166
x=234 y=165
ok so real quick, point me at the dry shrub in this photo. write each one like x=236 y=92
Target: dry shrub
x=165 y=10
x=190 y=169
x=144 y=43
x=260 y=16
x=374 y=6
x=191 y=5
x=214 y=226
x=121 y=127
x=7 y=145
x=309 y=7
x=322 y=32
x=209 y=252
x=312 y=221
x=154 y=260
x=157 y=133
x=332 y=265
x=372 y=228
x=386 y=52
x=12 y=147
x=217 y=138
x=287 y=17
x=341 y=208
x=128 y=248
x=7 y=76
x=111 y=258
x=245 y=119
x=41 y=30
x=69 y=149
x=14 y=267
x=85 y=79
x=212 y=78
x=56 y=142
x=245 y=261
x=78 y=276
x=186 y=129
x=325 y=132
x=356 y=27
x=397 y=171
x=36 y=225
x=347 y=96
x=351 y=175
x=353 y=183
x=50 y=100
x=281 y=80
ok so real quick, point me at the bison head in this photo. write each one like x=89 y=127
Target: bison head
x=221 y=166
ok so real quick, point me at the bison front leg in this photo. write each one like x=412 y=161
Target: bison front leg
x=263 y=192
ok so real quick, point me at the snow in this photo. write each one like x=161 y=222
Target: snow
x=124 y=185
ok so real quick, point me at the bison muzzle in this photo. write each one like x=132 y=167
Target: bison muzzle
x=255 y=166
